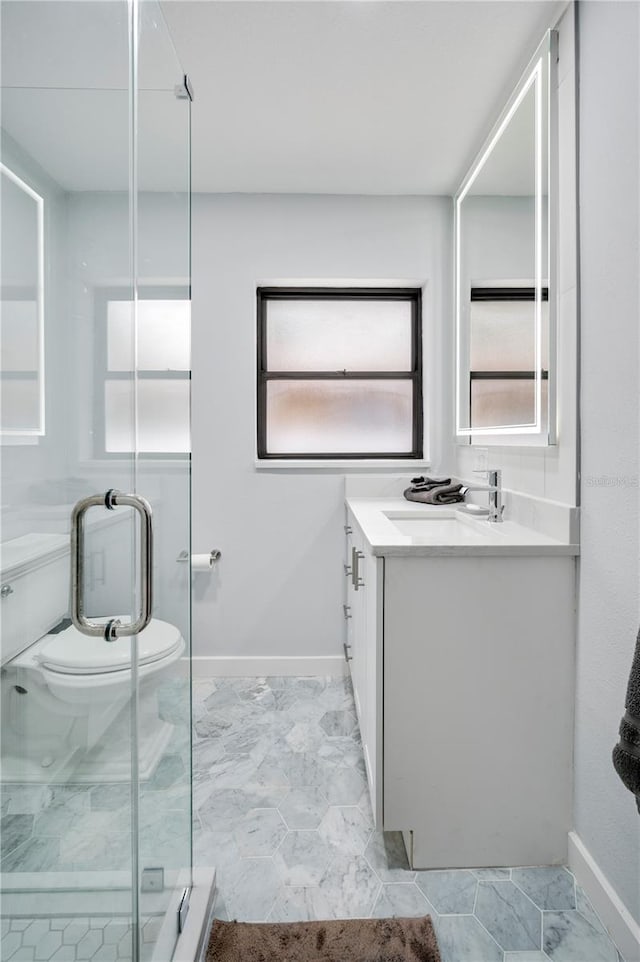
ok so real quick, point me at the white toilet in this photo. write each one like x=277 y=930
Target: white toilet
x=64 y=695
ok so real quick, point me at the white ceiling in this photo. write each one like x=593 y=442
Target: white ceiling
x=348 y=97
x=320 y=96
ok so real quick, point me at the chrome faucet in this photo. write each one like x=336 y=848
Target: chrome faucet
x=494 y=490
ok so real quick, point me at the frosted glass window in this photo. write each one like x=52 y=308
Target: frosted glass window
x=359 y=417
x=503 y=335
x=505 y=402
x=155 y=354
x=164 y=335
x=339 y=373
x=19 y=404
x=163 y=416
x=339 y=335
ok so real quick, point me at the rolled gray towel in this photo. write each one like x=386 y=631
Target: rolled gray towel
x=445 y=494
x=626 y=754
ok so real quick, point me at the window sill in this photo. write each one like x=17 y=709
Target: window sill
x=341 y=466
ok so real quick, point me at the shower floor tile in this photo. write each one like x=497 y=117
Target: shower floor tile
x=281 y=809
x=81 y=832
x=66 y=939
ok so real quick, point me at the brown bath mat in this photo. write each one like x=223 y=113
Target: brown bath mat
x=343 y=940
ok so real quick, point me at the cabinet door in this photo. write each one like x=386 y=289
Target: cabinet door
x=355 y=614
x=347 y=596
x=355 y=617
x=359 y=633
x=364 y=635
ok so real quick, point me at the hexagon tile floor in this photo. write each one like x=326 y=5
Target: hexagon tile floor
x=70 y=938
x=282 y=810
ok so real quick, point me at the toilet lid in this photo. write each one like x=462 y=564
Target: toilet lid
x=70 y=652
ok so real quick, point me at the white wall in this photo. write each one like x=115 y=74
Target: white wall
x=550 y=472
x=605 y=813
x=278 y=589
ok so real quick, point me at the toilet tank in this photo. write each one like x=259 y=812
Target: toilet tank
x=34 y=589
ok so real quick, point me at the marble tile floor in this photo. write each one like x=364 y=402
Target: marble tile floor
x=281 y=809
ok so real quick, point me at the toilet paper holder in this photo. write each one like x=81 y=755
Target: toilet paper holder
x=215 y=556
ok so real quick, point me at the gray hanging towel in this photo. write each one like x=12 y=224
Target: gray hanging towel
x=626 y=754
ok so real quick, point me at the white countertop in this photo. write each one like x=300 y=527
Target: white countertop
x=445 y=531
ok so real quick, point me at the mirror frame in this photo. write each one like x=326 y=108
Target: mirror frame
x=39 y=429
x=544 y=59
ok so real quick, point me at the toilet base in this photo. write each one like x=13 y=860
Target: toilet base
x=109 y=765
x=109 y=761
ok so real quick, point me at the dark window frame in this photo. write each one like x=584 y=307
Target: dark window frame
x=102 y=374
x=516 y=295
x=411 y=294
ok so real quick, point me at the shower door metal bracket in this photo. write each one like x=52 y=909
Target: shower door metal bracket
x=113 y=628
x=184 y=90
x=183 y=910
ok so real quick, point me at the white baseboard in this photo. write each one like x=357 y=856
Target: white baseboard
x=250 y=666
x=622 y=927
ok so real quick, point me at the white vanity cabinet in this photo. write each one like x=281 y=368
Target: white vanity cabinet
x=463 y=673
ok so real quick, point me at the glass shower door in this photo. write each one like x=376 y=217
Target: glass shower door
x=67 y=835
x=94 y=382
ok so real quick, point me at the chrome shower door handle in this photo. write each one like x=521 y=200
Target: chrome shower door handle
x=113 y=628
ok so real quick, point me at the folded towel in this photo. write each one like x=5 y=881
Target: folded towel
x=445 y=494
x=424 y=484
x=626 y=754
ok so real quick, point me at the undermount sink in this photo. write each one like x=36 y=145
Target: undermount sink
x=432 y=528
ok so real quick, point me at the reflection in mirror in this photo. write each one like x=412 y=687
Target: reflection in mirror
x=502 y=264
x=21 y=308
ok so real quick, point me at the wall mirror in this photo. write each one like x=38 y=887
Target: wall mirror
x=21 y=309
x=504 y=272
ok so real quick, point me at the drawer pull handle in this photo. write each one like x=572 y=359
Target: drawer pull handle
x=347 y=609
x=356 y=580
x=347 y=656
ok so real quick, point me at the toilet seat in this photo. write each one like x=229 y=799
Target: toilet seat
x=84 y=672
x=72 y=653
